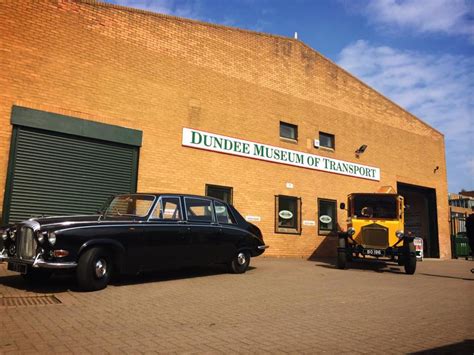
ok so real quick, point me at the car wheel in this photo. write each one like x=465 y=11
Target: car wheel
x=240 y=263
x=341 y=254
x=37 y=276
x=94 y=269
x=410 y=257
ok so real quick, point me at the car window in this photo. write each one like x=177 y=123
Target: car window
x=129 y=206
x=198 y=210
x=223 y=214
x=167 y=208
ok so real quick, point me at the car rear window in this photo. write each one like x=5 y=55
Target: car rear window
x=199 y=210
x=223 y=214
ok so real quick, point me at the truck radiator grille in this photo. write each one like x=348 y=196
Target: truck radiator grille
x=374 y=236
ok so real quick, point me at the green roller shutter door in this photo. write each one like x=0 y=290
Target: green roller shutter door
x=61 y=174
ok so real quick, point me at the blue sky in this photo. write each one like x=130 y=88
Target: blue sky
x=419 y=53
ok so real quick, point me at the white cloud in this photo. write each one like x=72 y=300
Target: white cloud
x=188 y=9
x=437 y=88
x=453 y=17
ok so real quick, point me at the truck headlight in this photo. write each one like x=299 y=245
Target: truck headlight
x=399 y=234
x=12 y=235
x=52 y=238
x=351 y=231
x=4 y=235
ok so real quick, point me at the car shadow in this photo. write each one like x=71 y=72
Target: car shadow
x=362 y=264
x=60 y=283
x=57 y=284
x=171 y=275
x=447 y=276
x=464 y=347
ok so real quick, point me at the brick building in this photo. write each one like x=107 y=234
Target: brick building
x=98 y=99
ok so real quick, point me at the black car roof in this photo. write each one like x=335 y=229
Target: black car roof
x=157 y=194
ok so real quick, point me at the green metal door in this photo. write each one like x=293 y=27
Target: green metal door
x=53 y=173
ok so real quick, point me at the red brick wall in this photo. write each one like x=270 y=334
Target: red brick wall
x=159 y=74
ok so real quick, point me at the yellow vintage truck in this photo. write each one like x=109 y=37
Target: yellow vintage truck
x=375 y=229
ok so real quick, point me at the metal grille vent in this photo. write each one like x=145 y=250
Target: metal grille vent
x=26 y=243
x=25 y=301
x=375 y=236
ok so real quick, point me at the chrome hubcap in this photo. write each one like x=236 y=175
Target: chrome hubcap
x=100 y=268
x=241 y=258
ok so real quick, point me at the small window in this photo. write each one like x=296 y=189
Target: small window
x=327 y=140
x=223 y=214
x=327 y=216
x=288 y=131
x=199 y=210
x=167 y=208
x=287 y=218
x=223 y=193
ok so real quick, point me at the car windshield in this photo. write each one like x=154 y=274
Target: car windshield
x=129 y=206
x=374 y=206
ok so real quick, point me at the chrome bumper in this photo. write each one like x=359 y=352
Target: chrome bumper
x=263 y=247
x=38 y=262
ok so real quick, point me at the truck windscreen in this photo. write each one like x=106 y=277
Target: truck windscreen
x=374 y=206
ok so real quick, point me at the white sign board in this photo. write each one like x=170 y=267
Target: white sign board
x=325 y=219
x=234 y=146
x=285 y=214
x=252 y=218
x=309 y=223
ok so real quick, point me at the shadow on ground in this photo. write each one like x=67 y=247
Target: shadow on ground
x=60 y=283
x=465 y=347
x=361 y=264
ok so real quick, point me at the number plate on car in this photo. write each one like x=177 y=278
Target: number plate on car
x=374 y=252
x=21 y=268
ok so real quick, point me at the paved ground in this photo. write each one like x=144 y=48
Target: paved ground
x=280 y=305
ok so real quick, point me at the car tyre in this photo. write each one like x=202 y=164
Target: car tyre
x=341 y=261
x=37 y=276
x=410 y=257
x=94 y=269
x=240 y=262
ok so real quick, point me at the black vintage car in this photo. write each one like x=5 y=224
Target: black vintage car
x=134 y=233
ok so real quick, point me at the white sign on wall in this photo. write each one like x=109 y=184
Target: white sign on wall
x=253 y=218
x=223 y=144
x=309 y=223
x=325 y=219
x=285 y=214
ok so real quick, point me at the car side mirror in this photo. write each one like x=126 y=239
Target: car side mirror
x=342 y=206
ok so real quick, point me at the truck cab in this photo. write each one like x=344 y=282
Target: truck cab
x=375 y=229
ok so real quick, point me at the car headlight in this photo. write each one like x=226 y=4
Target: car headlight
x=4 y=235
x=399 y=234
x=41 y=236
x=351 y=231
x=52 y=238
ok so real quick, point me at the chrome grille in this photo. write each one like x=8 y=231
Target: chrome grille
x=26 y=243
x=375 y=236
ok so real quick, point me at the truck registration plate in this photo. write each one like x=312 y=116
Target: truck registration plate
x=374 y=252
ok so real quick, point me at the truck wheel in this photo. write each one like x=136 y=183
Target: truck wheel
x=94 y=269
x=240 y=262
x=341 y=254
x=410 y=257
